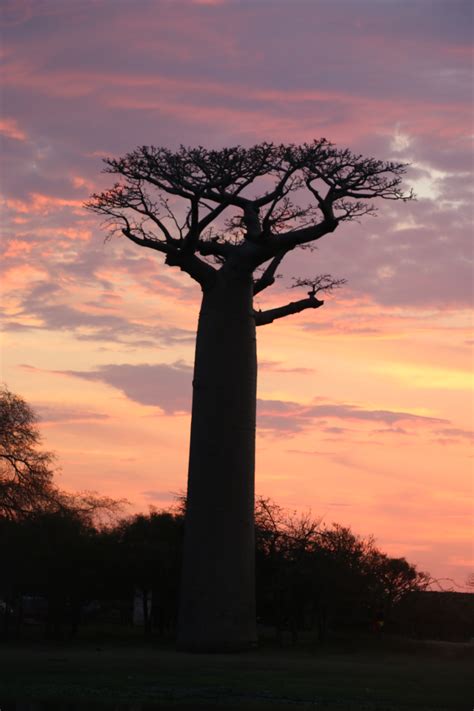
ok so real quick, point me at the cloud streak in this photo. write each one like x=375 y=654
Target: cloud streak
x=291 y=417
x=168 y=386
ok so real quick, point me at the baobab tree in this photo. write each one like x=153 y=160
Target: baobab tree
x=228 y=218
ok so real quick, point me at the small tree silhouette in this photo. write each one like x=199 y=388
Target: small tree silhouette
x=27 y=485
x=228 y=218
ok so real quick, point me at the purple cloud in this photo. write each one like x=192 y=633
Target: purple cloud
x=158 y=495
x=165 y=386
x=52 y=413
x=292 y=417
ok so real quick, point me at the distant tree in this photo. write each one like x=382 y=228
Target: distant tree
x=149 y=551
x=391 y=579
x=285 y=567
x=44 y=531
x=26 y=473
x=49 y=555
x=324 y=578
x=176 y=204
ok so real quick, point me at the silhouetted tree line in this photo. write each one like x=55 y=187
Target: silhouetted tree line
x=61 y=570
x=311 y=578
x=64 y=564
x=323 y=578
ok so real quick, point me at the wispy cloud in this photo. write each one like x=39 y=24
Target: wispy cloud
x=10 y=129
x=291 y=417
x=53 y=414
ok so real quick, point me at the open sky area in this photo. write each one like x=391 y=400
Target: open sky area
x=365 y=408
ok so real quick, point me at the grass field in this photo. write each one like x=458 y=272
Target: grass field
x=139 y=678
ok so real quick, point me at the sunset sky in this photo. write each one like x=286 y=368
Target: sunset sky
x=365 y=407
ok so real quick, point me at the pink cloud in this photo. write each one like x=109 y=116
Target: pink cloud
x=306 y=111
x=10 y=129
x=41 y=204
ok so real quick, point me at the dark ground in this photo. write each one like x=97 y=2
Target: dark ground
x=385 y=676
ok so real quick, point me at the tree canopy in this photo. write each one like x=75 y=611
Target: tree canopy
x=207 y=209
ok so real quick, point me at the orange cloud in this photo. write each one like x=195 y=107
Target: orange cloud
x=181 y=96
x=9 y=128
x=16 y=247
x=79 y=182
x=41 y=204
x=20 y=276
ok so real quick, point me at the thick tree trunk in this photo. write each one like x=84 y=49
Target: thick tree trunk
x=217 y=609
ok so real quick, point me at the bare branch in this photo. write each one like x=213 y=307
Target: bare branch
x=287 y=183
x=188 y=262
x=264 y=317
x=348 y=210
x=268 y=276
x=213 y=213
x=289 y=240
x=215 y=247
x=200 y=271
x=151 y=211
x=323 y=282
x=172 y=217
x=144 y=241
x=121 y=204
x=284 y=212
